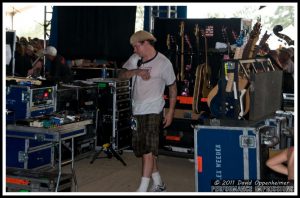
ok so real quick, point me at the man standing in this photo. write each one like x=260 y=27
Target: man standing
x=151 y=72
x=59 y=70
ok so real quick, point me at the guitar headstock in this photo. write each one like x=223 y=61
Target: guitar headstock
x=209 y=31
x=229 y=67
x=188 y=41
x=224 y=34
x=264 y=38
x=181 y=28
x=171 y=43
x=240 y=39
x=256 y=30
x=168 y=42
x=202 y=31
x=234 y=35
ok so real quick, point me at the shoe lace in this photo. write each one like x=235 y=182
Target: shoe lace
x=159 y=187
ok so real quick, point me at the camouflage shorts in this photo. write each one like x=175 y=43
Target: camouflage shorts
x=145 y=137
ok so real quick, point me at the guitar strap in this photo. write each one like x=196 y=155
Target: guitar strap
x=236 y=89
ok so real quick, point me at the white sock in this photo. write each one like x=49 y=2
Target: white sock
x=156 y=178
x=144 y=184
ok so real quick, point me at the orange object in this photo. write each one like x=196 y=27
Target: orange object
x=172 y=137
x=183 y=99
x=199 y=159
x=17 y=181
x=203 y=99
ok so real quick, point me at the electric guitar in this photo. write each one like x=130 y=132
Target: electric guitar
x=181 y=76
x=225 y=37
x=188 y=76
x=172 y=50
x=249 y=50
x=225 y=104
x=262 y=41
x=206 y=88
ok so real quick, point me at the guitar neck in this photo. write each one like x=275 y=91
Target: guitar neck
x=198 y=51
x=206 y=61
x=229 y=82
x=182 y=59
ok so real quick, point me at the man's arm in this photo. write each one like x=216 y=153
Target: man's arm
x=127 y=74
x=172 y=101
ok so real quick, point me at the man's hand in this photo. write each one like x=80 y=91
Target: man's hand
x=144 y=74
x=168 y=119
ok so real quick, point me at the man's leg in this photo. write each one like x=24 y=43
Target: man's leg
x=147 y=166
x=157 y=185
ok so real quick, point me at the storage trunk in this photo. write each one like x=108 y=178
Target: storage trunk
x=230 y=153
x=20 y=180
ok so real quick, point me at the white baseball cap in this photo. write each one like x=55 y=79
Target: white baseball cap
x=50 y=50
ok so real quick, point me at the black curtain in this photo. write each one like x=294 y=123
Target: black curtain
x=95 y=32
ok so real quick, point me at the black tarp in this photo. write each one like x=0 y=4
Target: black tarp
x=95 y=32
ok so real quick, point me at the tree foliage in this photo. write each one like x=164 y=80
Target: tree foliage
x=284 y=15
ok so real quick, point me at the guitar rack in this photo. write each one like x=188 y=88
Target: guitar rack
x=265 y=83
x=256 y=65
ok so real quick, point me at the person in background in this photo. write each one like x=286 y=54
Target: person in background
x=282 y=60
x=59 y=70
x=151 y=72
x=22 y=62
x=36 y=62
x=285 y=58
x=283 y=163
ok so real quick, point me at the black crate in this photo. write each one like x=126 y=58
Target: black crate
x=20 y=180
x=180 y=134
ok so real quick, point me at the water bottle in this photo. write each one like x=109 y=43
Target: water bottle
x=103 y=72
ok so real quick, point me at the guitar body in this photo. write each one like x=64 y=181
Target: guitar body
x=215 y=100
x=197 y=92
x=206 y=86
x=202 y=81
x=202 y=87
x=223 y=104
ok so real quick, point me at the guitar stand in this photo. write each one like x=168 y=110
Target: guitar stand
x=107 y=148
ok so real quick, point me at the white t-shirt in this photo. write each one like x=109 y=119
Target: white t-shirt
x=148 y=95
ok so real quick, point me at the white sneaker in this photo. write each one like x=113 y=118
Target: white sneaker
x=159 y=188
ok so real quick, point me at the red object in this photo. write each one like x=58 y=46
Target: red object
x=199 y=159
x=17 y=181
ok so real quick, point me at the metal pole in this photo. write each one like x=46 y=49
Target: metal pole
x=45 y=32
x=150 y=17
x=169 y=12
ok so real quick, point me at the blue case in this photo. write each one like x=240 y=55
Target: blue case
x=223 y=153
x=28 y=154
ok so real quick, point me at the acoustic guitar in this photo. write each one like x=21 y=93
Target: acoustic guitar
x=203 y=73
x=206 y=70
x=197 y=93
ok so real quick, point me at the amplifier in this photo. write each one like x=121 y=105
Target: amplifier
x=114 y=104
x=77 y=96
x=30 y=101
